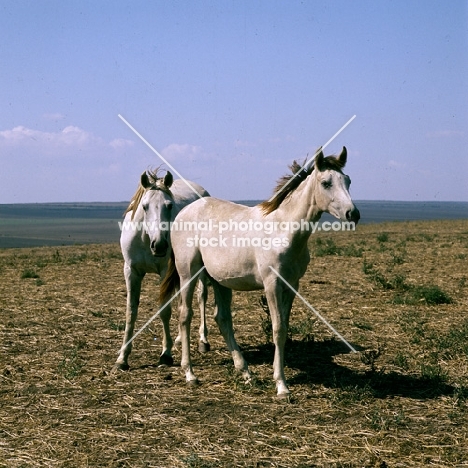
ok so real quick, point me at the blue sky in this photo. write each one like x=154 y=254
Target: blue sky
x=230 y=92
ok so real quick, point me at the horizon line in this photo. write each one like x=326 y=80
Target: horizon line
x=256 y=200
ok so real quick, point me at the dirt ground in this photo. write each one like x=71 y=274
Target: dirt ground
x=397 y=292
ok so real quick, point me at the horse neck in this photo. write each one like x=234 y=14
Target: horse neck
x=300 y=205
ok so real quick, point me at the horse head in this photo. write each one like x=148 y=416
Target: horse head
x=157 y=204
x=332 y=187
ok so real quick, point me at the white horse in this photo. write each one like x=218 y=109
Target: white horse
x=266 y=247
x=146 y=247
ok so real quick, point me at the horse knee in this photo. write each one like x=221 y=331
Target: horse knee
x=223 y=315
x=185 y=316
x=280 y=333
x=165 y=314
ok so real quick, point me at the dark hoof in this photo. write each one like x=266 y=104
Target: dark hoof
x=286 y=397
x=193 y=383
x=166 y=360
x=204 y=347
x=122 y=366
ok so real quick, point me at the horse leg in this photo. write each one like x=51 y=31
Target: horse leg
x=185 y=319
x=202 y=294
x=133 y=282
x=166 y=355
x=223 y=317
x=280 y=302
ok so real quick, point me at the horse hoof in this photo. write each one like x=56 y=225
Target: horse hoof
x=193 y=383
x=166 y=360
x=120 y=366
x=204 y=347
x=286 y=397
x=248 y=378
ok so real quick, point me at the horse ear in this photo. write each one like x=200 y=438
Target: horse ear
x=168 y=179
x=144 y=180
x=320 y=160
x=343 y=156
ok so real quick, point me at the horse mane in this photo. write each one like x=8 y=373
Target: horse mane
x=157 y=184
x=288 y=183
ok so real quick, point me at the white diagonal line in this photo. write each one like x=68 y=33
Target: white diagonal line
x=161 y=309
x=158 y=154
x=314 y=311
x=339 y=131
x=311 y=161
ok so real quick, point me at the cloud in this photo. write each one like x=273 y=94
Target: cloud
x=183 y=152
x=71 y=137
x=119 y=143
x=69 y=164
x=245 y=144
x=76 y=136
x=445 y=134
x=261 y=142
x=396 y=164
x=53 y=117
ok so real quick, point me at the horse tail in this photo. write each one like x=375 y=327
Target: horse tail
x=171 y=281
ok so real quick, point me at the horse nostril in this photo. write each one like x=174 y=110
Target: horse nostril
x=159 y=247
x=353 y=215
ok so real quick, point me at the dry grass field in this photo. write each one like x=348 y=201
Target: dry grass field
x=397 y=292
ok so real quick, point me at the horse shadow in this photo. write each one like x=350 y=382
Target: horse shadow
x=314 y=361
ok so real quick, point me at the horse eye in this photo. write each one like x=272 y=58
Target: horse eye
x=326 y=184
x=145 y=207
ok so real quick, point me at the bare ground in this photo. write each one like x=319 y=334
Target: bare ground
x=397 y=292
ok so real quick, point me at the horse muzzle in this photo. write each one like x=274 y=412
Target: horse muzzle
x=159 y=248
x=353 y=215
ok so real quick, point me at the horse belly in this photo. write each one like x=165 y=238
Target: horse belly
x=245 y=283
x=237 y=275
